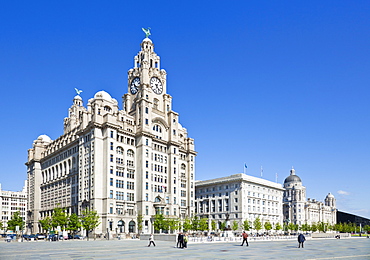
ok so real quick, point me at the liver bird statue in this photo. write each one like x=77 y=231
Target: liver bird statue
x=146 y=31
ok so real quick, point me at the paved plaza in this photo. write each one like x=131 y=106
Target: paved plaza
x=352 y=248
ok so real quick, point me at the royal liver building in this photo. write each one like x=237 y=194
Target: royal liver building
x=122 y=163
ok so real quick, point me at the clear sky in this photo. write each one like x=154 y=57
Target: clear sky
x=267 y=83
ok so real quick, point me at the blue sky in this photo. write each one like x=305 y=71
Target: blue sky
x=267 y=83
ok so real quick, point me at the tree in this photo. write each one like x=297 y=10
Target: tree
x=235 y=225
x=195 y=223
x=158 y=222
x=213 y=225
x=203 y=224
x=173 y=224
x=366 y=228
x=187 y=224
x=223 y=225
x=290 y=227
x=139 y=222
x=89 y=220
x=313 y=227
x=305 y=227
x=1 y=225
x=268 y=225
x=257 y=225
x=74 y=223
x=45 y=223
x=16 y=220
x=59 y=218
x=278 y=226
x=246 y=225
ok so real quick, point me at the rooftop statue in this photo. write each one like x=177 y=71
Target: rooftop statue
x=78 y=91
x=146 y=31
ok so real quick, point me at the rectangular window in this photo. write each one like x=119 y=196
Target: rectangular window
x=111 y=182
x=111 y=194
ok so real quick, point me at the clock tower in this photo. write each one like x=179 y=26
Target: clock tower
x=165 y=155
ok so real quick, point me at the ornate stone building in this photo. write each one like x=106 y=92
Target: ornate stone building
x=239 y=197
x=122 y=163
x=298 y=210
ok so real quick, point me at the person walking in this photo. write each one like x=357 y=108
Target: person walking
x=186 y=240
x=301 y=240
x=151 y=240
x=245 y=238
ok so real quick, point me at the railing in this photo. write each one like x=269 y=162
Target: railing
x=209 y=239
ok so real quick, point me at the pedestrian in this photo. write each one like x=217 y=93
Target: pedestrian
x=245 y=238
x=179 y=240
x=151 y=240
x=301 y=240
x=186 y=240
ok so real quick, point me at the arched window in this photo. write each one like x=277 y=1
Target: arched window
x=131 y=227
x=130 y=153
x=107 y=108
x=119 y=150
x=183 y=167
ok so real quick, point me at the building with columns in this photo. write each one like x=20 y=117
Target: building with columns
x=299 y=210
x=11 y=202
x=123 y=163
x=239 y=197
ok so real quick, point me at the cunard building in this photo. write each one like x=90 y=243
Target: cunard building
x=123 y=163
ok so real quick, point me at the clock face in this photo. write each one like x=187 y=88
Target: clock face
x=156 y=85
x=135 y=83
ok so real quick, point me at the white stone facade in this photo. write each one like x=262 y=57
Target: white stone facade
x=122 y=163
x=11 y=202
x=242 y=197
x=298 y=210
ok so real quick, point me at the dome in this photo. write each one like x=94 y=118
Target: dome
x=292 y=178
x=102 y=95
x=330 y=195
x=147 y=40
x=44 y=138
x=78 y=97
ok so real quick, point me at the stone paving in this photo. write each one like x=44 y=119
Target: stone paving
x=320 y=249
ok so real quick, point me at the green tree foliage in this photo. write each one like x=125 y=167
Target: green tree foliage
x=213 y=225
x=268 y=225
x=195 y=223
x=89 y=220
x=203 y=224
x=16 y=220
x=74 y=223
x=223 y=225
x=187 y=224
x=278 y=226
x=235 y=225
x=45 y=223
x=366 y=228
x=139 y=220
x=257 y=225
x=290 y=227
x=173 y=224
x=313 y=227
x=1 y=225
x=59 y=218
x=159 y=222
x=305 y=227
x=246 y=225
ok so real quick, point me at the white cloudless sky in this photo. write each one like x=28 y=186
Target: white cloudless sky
x=273 y=84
